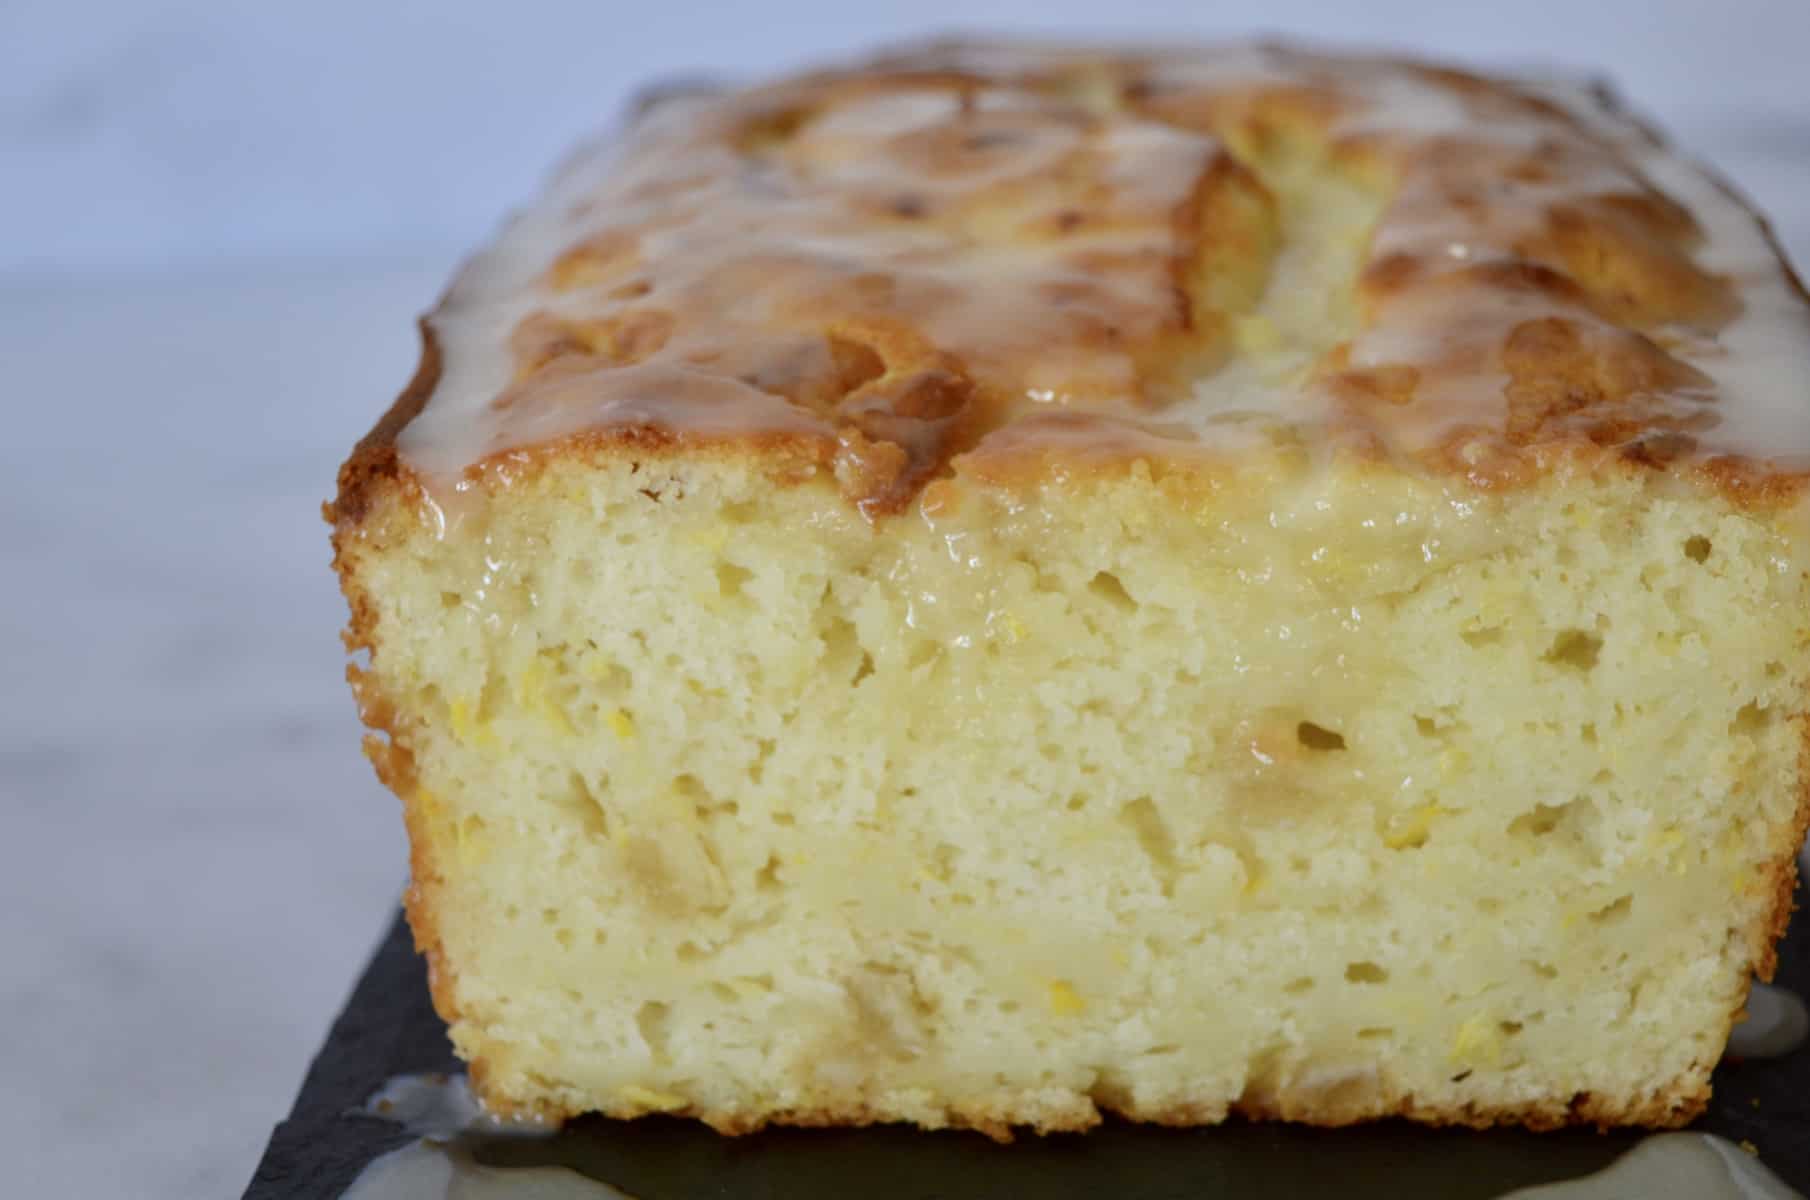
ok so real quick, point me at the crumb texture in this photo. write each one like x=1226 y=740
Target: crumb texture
x=1325 y=797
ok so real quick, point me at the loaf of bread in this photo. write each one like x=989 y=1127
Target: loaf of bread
x=1010 y=583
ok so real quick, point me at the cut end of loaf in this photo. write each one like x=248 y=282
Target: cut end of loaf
x=1318 y=795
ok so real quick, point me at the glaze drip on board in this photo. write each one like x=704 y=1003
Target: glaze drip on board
x=442 y=1105
x=1673 y=1166
x=1776 y=1024
x=438 y=1165
x=433 y=1170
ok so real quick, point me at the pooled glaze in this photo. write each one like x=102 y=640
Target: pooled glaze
x=429 y=1170
x=1673 y=1166
x=1776 y=1024
x=956 y=255
x=439 y=1165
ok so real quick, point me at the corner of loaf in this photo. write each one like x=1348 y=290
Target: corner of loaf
x=1315 y=795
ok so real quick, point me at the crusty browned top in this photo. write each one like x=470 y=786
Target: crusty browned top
x=973 y=255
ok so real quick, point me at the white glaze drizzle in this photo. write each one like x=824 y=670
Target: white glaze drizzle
x=1757 y=361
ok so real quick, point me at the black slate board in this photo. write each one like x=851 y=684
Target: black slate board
x=389 y=1028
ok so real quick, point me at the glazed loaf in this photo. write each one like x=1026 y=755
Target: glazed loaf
x=1011 y=582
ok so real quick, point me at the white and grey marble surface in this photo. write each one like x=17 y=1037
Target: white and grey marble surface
x=171 y=132
x=195 y=858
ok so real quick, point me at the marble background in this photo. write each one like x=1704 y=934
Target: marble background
x=216 y=223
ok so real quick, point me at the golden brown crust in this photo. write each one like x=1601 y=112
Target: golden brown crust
x=389 y=755
x=1781 y=876
x=911 y=267
x=375 y=458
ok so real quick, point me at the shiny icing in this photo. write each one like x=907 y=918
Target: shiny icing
x=947 y=258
